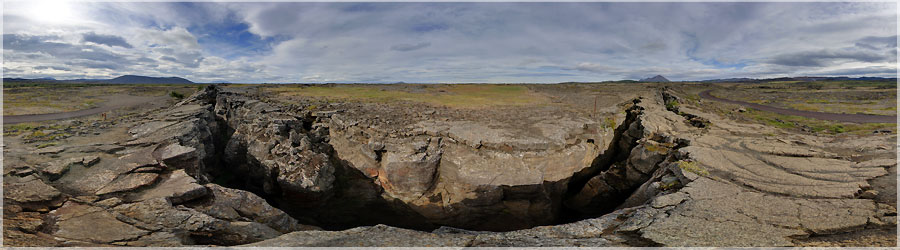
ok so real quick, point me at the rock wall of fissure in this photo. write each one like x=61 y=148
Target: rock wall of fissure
x=325 y=170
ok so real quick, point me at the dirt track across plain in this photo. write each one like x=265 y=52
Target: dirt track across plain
x=114 y=102
x=855 y=118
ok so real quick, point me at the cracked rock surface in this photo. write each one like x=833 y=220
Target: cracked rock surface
x=225 y=168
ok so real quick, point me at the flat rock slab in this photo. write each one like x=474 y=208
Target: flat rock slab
x=128 y=182
x=794 y=176
x=148 y=127
x=60 y=167
x=89 y=161
x=177 y=188
x=50 y=150
x=93 y=224
x=374 y=236
x=721 y=214
x=101 y=174
x=233 y=204
x=31 y=193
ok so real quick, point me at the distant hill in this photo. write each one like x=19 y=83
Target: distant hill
x=126 y=79
x=133 y=79
x=657 y=78
x=732 y=80
x=800 y=79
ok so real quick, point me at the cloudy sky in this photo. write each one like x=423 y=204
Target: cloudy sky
x=448 y=42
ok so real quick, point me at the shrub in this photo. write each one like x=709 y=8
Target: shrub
x=672 y=105
x=176 y=95
x=837 y=129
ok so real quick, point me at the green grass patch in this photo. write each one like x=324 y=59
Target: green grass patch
x=813 y=101
x=35 y=134
x=815 y=125
x=883 y=84
x=17 y=129
x=456 y=95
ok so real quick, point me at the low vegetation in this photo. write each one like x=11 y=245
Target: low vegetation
x=460 y=96
x=693 y=167
x=815 y=125
x=176 y=95
x=25 y=98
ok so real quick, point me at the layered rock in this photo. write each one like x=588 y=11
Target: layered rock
x=274 y=151
x=654 y=181
x=679 y=195
x=468 y=174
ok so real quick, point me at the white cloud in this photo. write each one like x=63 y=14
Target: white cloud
x=446 y=42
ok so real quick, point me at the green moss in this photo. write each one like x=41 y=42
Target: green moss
x=693 y=167
x=669 y=185
x=47 y=145
x=609 y=122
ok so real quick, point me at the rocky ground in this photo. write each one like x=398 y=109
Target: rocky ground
x=228 y=167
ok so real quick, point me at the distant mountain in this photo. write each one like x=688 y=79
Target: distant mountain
x=732 y=80
x=657 y=78
x=83 y=80
x=126 y=79
x=133 y=79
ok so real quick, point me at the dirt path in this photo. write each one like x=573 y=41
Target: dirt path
x=855 y=118
x=114 y=102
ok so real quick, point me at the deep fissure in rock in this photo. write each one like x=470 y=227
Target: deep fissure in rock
x=354 y=200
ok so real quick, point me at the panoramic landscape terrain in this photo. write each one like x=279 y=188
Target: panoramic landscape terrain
x=572 y=164
x=449 y=124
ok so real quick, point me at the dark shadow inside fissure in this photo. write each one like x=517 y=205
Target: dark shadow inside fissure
x=357 y=201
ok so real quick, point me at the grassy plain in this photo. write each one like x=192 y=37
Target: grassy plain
x=449 y=95
x=41 y=98
x=848 y=97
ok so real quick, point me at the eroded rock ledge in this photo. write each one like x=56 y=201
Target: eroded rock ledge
x=222 y=168
x=326 y=169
